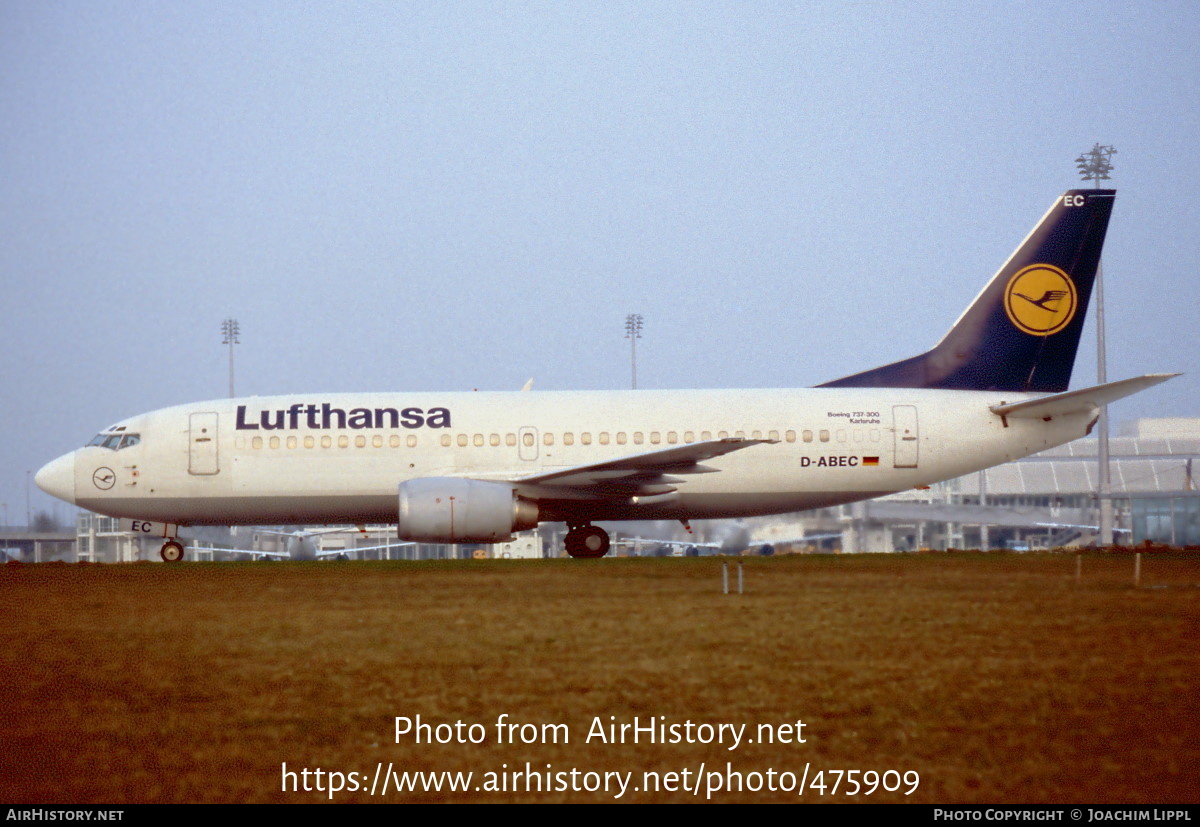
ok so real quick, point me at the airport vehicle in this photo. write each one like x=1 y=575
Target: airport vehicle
x=477 y=467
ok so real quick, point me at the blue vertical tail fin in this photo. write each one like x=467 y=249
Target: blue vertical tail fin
x=1022 y=332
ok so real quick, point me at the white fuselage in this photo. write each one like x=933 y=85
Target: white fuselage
x=339 y=458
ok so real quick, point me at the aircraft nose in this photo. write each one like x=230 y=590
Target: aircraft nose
x=57 y=478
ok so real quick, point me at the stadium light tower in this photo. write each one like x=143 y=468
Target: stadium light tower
x=633 y=332
x=1094 y=165
x=230 y=330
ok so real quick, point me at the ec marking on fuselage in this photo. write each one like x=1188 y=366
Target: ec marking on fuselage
x=1040 y=300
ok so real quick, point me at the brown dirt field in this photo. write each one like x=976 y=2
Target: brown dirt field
x=995 y=677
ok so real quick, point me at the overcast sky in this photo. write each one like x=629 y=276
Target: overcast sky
x=416 y=196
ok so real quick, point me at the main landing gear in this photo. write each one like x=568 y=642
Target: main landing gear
x=586 y=540
x=171 y=552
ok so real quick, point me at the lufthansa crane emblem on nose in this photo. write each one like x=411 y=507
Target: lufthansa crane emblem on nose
x=104 y=478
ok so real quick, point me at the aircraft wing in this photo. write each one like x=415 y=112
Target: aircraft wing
x=350 y=549
x=783 y=541
x=648 y=474
x=309 y=532
x=629 y=541
x=283 y=555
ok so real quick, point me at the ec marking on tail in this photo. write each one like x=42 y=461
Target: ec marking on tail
x=1040 y=300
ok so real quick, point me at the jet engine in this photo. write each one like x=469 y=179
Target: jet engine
x=452 y=510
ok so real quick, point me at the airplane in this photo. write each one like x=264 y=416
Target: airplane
x=677 y=548
x=301 y=545
x=479 y=466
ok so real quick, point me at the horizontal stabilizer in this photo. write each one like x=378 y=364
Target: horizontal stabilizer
x=1072 y=402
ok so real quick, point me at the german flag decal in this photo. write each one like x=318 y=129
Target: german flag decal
x=870 y=461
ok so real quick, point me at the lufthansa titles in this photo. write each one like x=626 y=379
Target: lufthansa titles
x=325 y=416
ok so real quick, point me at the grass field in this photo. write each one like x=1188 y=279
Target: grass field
x=997 y=678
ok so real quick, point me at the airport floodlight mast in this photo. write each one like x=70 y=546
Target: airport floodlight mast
x=633 y=332
x=230 y=330
x=1095 y=165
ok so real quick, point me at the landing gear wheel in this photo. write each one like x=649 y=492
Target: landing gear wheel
x=586 y=541
x=171 y=552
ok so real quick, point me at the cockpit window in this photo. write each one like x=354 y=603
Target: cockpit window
x=115 y=441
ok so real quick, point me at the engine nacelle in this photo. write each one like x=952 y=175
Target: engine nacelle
x=452 y=510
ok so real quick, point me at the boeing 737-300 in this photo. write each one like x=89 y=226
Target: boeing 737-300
x=477 y=467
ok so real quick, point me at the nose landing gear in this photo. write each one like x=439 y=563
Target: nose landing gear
x=171 y=552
